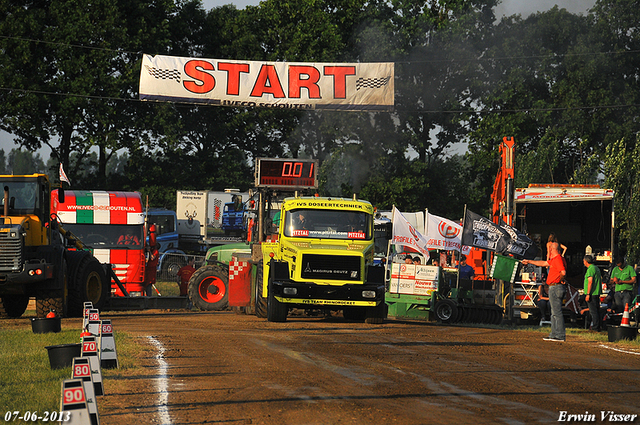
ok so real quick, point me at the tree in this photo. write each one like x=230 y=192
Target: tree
x=24 y=162
x=622 y=171
x=3 y=162
x=75 y=90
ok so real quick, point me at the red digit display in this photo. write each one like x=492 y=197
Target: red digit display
x=286 y=173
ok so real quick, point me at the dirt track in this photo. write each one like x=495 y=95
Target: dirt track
x=225 y=368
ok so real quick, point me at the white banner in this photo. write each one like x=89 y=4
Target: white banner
x=445 y=234
x=405 y=234
x=282 y=85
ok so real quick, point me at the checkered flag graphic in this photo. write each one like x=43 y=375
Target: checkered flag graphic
x=372 y=83
x=164 y=74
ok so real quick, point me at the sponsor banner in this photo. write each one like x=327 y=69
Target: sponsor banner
x=404 y=233
x=444 y=234
x=281 y=85
x=480 y=232
x=413 y=279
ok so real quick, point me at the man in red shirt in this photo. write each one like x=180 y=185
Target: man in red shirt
x=557 y=289
x=184 y=274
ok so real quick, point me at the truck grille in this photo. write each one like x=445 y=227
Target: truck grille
x=10 y=254
x=331 y=267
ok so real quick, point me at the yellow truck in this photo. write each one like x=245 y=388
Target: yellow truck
x=38 y=258
x=322 y=259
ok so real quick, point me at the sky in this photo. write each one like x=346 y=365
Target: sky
x=506 y=8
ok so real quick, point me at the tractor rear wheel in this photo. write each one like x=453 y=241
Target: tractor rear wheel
x=13 y=305
x=208 y=288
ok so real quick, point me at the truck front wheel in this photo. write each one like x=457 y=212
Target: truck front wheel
x=208 y=288
x=276 y=311
x=88 y=283
x=261 y=302
x=13 y=305
x=376 y=315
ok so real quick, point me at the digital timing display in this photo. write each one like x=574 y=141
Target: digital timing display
x=286 y=173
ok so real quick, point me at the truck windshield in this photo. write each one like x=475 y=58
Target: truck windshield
x=327 y=224
x=165 y=223
x=107 y=236
x=23 y=197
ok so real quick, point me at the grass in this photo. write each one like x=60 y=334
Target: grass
x=27 y=382
x=586 y=335
x=167 y=289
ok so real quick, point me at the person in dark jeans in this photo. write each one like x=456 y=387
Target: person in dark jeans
x=592 y=290
x=624 y=277
x=543 y=302
x=557 y=289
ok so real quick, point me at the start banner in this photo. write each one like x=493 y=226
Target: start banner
x=282 y=85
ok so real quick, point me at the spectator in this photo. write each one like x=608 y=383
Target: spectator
x=465 y=270
x=557 y=289
x=624 y=277
x=553 y=239
x=543 y=302
x=151 y=269
x=416 y=260
x=184 y=274
x=592 y=291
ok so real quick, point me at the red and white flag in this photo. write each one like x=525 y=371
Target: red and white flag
x=63 y=176
x=444 y=234
x=405 y=234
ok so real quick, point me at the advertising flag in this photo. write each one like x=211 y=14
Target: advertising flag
x=519 y=245
x=404 y=233
x=480 y=232
x=445 y=234
x=63 y=176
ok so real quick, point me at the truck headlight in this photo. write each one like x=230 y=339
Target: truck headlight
x=290 y=291
x=368 y=294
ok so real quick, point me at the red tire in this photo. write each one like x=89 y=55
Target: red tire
x=209 y=288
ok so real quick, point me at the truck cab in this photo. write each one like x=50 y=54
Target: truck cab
x=324 y=259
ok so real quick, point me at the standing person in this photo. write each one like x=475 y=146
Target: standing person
x=151 y=269
x=624 y=277
x=465 y=270
x=592 y=290
x=557 y=289
x=553 y=239
x=184 y=274
x=543 y=302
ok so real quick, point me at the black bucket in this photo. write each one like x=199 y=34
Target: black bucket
x=45 y=325
x=61 y=356
x=616 y=333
